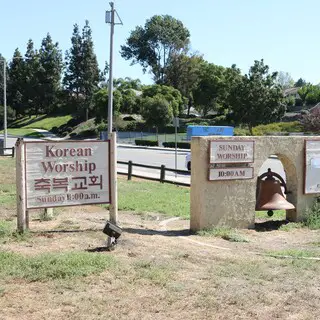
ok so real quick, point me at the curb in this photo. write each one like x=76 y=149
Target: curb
x=152 y=148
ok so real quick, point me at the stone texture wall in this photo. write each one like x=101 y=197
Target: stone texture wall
x=232 y=203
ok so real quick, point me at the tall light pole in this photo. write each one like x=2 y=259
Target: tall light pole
x=113 y=208
x=110 y=87
x=5 y=134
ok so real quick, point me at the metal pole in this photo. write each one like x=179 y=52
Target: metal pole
x=112 y=136
x=110 y=87
x=175 y=144
x=5 y=103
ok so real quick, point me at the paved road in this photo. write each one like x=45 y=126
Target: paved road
x=167 y=158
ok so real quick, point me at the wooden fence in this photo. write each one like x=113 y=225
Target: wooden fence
x=2 y=152
x=162 y=177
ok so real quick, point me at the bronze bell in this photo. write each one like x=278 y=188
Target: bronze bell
x=269 y=193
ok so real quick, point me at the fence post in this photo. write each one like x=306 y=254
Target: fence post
x=129 y=170
x=12 y=152
x=162 y=173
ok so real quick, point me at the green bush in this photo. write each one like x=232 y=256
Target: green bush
x=88 y=133
x=180 y=145
x=54 y=130
x=277 y=127
x=241 y=132
x=149 y=143
x=313 y=215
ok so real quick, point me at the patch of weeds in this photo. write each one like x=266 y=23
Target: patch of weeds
x=316 y=244
x=53 y=266
x=291 y=226
x=8 y=232
x=313 y=215
x=45 y=216
x=228 y=234
x=294 y=253
x=68 y=224
x=157 y=274
x=5 y=229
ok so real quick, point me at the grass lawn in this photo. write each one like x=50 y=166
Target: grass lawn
x=143 y=196
x=66 y=272
x=21 y=132
x=49 y=122
x=40 y=122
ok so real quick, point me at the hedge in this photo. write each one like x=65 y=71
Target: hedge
x=180 y=145
x=150 y=143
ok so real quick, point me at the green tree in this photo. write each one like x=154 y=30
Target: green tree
x=100 y=104
x=82 y=74
x=210 y=91
x=156 y=111
x=313 y=95
x=73 y=75
x=257 y=99
x=183 y=73
x=17 y=83
x=49 y=73
x=303 y=92
x=285 y=80
x=31 y=93
x=90 y=68
x=300 y=83
x=129 y=102
x=152 y=45
x=170 y=94
x=127 y=83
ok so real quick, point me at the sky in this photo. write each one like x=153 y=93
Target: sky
x=285 y=33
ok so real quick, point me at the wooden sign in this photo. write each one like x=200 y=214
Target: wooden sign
x=231 y=151
x=230 y=173
x=312 y=166
x=67 y=173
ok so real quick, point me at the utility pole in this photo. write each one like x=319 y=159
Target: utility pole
x=5 y=134
x=110 y=17
x=113 y=208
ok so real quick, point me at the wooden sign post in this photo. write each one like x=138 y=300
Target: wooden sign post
x=61 y=173
x=20 y=187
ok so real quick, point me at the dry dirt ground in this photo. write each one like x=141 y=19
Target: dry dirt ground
x=164 y=272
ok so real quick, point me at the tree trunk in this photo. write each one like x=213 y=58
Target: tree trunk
x=250 y=129
x=189 y=105
x=87 y=113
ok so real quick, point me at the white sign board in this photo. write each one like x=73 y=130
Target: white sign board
x=312 y=166
x=67 y=173
x=230 y=173
x=231 y=151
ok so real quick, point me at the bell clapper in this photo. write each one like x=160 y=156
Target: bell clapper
x=270 y=213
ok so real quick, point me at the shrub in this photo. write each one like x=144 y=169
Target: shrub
x=150 y=143
x=241 y=132
x=102 y=127
x=129 y=118
x=54 y=130
x=311 y=121
x=88 y=133
x=180 y=145
x=313 y=215
x=277 y=127
x=73 y=122
x=221 y=120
